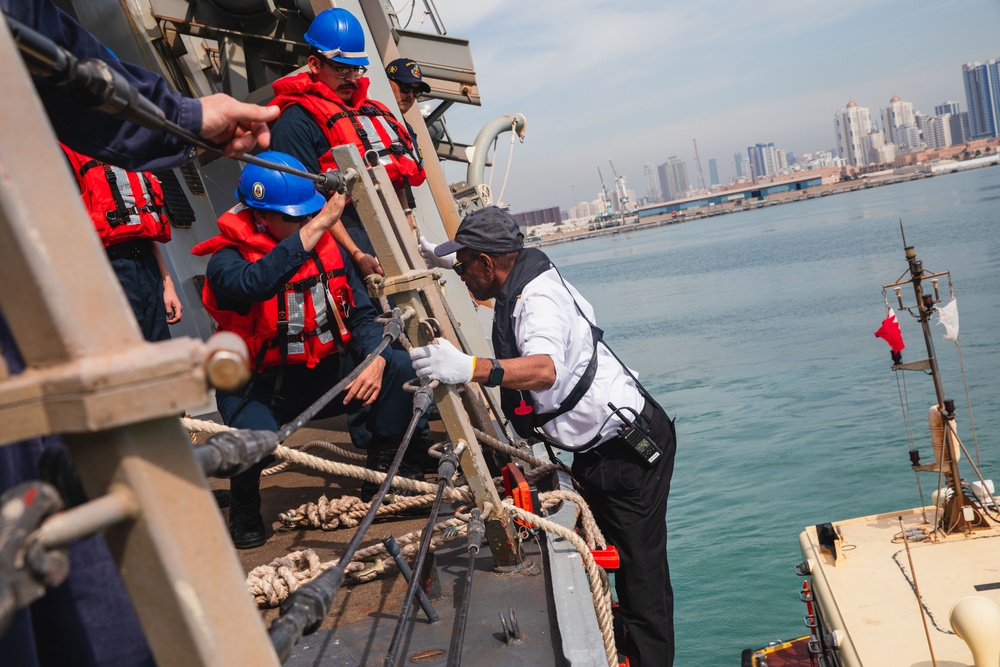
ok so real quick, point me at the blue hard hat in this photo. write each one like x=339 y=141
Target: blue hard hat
x=338 y=35
x=271 y=190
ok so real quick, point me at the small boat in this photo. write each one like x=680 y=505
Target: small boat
x=918 y=586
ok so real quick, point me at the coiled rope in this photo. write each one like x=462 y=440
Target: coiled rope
x=271 y=584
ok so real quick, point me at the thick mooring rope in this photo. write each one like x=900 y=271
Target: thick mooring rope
x=347 y=511
x=290 y=455
x=271 y=584
x=600 y=589
x=314 y=444
x=591 y=533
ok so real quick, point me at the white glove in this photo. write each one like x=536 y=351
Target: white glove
x=432 y=260
x=442 y=362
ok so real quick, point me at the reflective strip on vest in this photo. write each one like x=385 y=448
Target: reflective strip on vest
x=296 y=322
x=390 y=131
x=375 y=138
x=147 y=194
x=124 y=186
x=318 y=292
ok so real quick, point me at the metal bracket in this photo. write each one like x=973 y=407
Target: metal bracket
x=141 y=382
x=511 y=629
x=410 y=280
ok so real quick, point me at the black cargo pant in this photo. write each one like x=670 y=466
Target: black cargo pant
x=629 y=500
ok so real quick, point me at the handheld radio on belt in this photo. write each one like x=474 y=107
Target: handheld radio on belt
x=635 y=436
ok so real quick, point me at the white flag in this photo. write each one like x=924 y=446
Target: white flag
x=948 y=316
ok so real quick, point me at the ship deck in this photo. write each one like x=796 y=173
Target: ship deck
x=868 y=595
x=359 y=628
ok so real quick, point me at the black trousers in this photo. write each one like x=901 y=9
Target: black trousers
x=629 y=500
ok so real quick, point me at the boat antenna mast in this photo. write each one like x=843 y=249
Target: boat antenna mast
x=958 y=511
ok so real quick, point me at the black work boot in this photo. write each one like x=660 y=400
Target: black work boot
x=379 y=459
x=246 y=525
x=417 y=458
x=380 y=456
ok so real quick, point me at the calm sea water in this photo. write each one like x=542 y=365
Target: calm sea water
x=755 y=330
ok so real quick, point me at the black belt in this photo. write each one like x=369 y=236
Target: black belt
x=130 y=249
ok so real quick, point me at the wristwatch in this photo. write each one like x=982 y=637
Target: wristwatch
x=496 y=374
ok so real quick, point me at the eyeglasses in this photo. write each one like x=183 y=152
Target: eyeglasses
x=344 y=71
x=297 y=219
x=460 y=267
x=408 y=89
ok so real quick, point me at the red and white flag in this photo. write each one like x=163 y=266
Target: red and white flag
x=890 y=333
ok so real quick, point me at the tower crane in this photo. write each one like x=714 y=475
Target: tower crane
x=697 y=161
x=607 y=198
x=623 y=198
x=620 y=192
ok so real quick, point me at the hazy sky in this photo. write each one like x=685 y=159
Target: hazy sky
x=635 y=81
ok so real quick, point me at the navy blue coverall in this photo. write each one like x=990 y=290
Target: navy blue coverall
x=238 y=283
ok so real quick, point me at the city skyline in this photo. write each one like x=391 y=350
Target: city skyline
x=636 y=82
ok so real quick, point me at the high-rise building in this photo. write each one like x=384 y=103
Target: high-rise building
x=958 y=120
x=937 y=131
x=853 y=126
x=982 y=96
x=661 y=175
x=674 y=178
x=880 y=151
x=960 y=128
x=897 y=115
x=652 y=187
x=948 y=107
x=764 y=160
x=908 y=137
x=738 y=164
x=713 y=172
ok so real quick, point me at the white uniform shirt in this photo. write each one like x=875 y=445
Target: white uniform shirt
x=546 y=322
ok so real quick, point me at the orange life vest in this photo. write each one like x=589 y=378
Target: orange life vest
x=369 y=125
x=294 y=326
x=124 y=205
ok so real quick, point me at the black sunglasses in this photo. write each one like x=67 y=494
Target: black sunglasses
x=408 y=89
x=460 y=267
